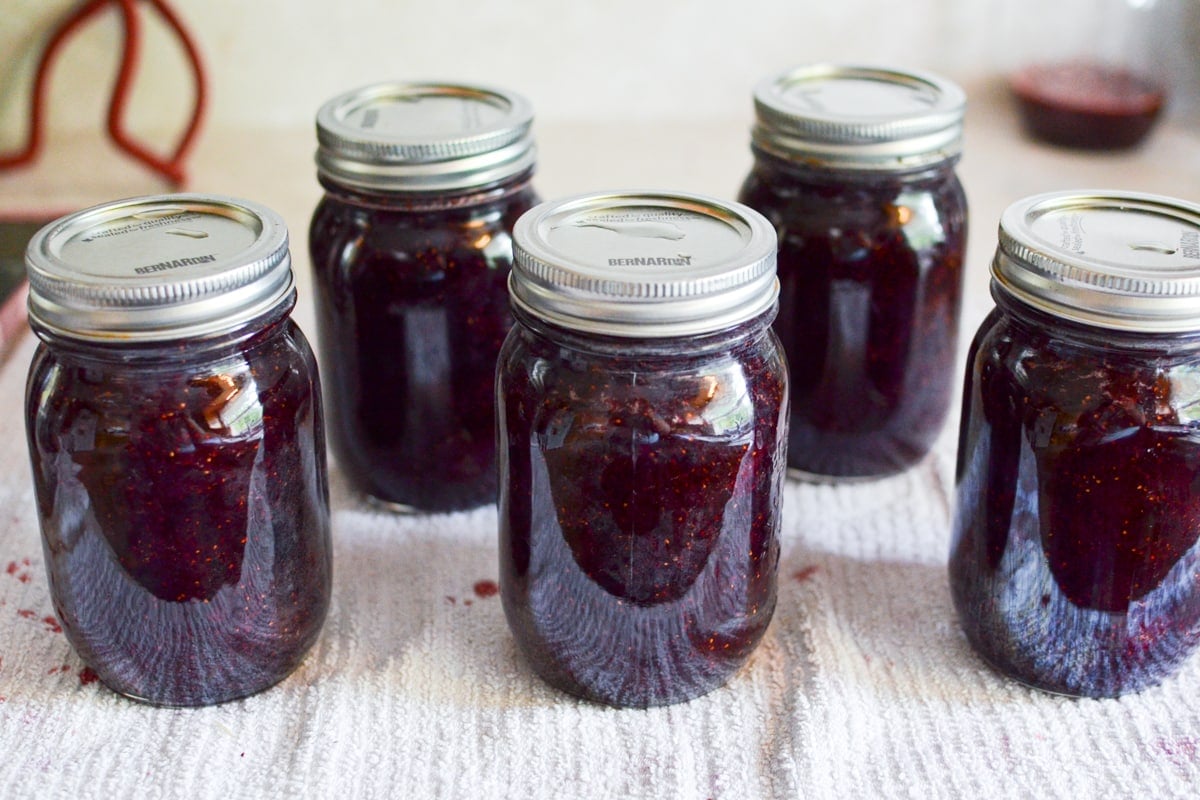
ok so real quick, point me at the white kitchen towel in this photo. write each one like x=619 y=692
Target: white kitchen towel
x=864 y=686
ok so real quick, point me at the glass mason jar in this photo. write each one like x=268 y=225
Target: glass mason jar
x=854 y=166
x=176 y=438
x=642 y=413
x=1074 y=565
x=411 y=248
x=1090 y=74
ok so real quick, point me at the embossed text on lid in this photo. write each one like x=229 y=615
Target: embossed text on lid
x=1120 y=260
x=650 y=264
x=859 y=117
x=424 y=136
x=160 y=267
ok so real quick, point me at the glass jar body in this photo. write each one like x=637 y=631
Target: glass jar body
x=412 y=307
x=1090 y=74
x=1074 y=564
x=640 y=491
x=184 y=508
x=870 y=272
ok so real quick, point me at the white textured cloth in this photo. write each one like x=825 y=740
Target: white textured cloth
x=863 y=686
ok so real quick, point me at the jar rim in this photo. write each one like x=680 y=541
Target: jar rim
x=157 y=268
x=859 y=117
x=424 y=136
x=1107 y=258
x=643 y=263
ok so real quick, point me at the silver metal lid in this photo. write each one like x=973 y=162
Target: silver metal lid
x=1118 y=260
x=643 y=264
x=158 y=268
x=859 y=117
x=424 y=137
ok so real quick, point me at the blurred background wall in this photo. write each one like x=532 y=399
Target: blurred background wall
x=272 y=62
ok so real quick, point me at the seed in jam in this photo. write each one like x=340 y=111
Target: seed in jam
x=639 y=529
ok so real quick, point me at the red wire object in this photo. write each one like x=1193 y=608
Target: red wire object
x=170 y=167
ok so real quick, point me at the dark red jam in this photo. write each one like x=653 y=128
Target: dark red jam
x=184 y=508
x=412 y=307
x=870 y=269
x=639 y=509
x=1074 y=566
x=1086 y=106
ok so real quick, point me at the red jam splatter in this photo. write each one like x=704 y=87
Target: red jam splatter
x=178 y=532
x=803 y=574
x=870 y=273
x=1075 y=560
x=639 y=519
x=20 y=570
x=1086 y=106
x=412 y=307
x=50 y=622
x=486 y=588
x=1183 y=752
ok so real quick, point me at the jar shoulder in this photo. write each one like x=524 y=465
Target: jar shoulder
x=812 y=198
x=722 y=389
x=640 y=360
x=348 y=241
x=339 y=216
x=278 y=367
x=1050 y=370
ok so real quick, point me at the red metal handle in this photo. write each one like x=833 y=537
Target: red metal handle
x=170 y=166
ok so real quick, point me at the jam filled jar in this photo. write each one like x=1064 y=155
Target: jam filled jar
x=177 y=444
x=854 y=166
x=1074 y=564
x=642 y=415
x=411 y=248
x=1092 y=74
